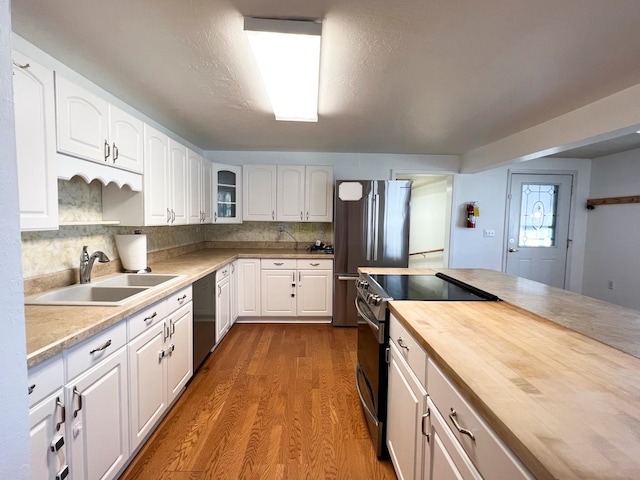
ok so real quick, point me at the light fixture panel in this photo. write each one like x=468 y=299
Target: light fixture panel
x=288 y=56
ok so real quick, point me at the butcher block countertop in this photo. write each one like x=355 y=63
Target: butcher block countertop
x=51 y=329
x=539 y=368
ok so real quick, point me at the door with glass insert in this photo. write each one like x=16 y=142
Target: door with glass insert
x=227 y=181
x=538 y=227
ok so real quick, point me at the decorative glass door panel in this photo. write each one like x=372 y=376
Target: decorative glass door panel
x=228 y=195
x=538 y=212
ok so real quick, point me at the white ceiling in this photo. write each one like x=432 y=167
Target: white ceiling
x=397 y=76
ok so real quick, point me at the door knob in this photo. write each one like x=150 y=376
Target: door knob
x=511 y=250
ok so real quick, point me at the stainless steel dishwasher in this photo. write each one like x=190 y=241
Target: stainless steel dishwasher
x=204 y=318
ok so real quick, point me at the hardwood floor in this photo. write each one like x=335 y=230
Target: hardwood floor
x=271 y=402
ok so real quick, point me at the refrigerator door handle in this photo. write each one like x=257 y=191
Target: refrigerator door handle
x=369 y=225
x=376 y=226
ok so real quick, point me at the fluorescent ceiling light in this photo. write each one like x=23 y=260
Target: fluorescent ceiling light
x=288 y=56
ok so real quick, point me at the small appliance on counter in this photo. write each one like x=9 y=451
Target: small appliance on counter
x=133 y=252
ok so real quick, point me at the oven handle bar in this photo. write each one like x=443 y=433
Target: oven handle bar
x=362 y=401
x=379 y=332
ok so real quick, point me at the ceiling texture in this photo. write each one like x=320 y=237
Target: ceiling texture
x=401 y=76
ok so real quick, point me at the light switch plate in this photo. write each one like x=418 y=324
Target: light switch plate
x=489 y=233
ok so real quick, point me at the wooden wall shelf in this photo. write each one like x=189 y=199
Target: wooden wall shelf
x=592 y=202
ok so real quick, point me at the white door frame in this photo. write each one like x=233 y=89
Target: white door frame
x=572 y=206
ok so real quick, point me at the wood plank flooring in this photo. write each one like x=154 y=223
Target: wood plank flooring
x=272 y=401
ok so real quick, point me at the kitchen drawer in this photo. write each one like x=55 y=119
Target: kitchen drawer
x=487 y=452
x=144 y=319
x=223 y=272
x=314 y=264
x=278 y=264
x=409 y=348
x=93 y=350
x=178 y=299
x=45 y=378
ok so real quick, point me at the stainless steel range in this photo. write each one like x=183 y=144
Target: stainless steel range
x=374 y=292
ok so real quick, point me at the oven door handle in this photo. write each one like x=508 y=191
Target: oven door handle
x=360 y=372
x=375 y=327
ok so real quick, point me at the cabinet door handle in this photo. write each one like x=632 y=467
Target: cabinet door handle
x=299 y=277
x=215 y=216
x=107 y=150
x=115 y=153
x=219 y=290
x=454 y=418
x=77 y=393
x=425 y=416
x=150 y=317
x=307 y=215
x=63 y=413
x=402 y=345
x=101 y=347
x=168 y=215
x=273 y=214
x=173 y=327
x=301 y=215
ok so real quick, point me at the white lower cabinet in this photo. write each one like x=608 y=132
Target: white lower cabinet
x=98 y=402
x=223 y=301
x=234 y=291
x=47 y=415
x=278 y=288
x=315 y=288
x=433 y=433
x=160 y=361
x=407 y=403
x=248 y=272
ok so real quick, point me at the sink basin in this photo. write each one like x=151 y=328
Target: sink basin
x=113 y=291
x=86 y=294
x=135 y=280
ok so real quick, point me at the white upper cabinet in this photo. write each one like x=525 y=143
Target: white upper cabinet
x=227 y=193
x=35 y=144
x=259 y=193
x=178 y=183
x=127 y=140
x=88 y=127
x=318 y=197
x=288 y=193
x=156 y=178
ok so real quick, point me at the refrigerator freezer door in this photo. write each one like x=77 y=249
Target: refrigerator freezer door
x=352 y=225
x=344 y=297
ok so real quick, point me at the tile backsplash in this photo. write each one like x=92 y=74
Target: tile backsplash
x=56 y=251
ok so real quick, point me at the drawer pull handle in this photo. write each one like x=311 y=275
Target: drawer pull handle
x=31 y=388
x=76 y=410
x=180 y=299
x=314 y=264
x=101 y=347
x=63 y=414
x=453 y=416
x=278 y=263
x=425 y=416
x=402 y=345
x=155 y=314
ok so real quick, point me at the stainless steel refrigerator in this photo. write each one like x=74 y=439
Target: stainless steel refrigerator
x=371 y=228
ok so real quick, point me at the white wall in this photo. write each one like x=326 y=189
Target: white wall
x=14 y=440
x=346 y=166
x=470 y=249
x=613 y=232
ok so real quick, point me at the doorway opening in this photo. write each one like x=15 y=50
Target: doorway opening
x=430 y=219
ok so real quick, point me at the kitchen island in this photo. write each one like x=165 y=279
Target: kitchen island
x=566 y=404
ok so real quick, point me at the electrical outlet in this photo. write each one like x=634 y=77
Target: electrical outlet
x=610 y=284
x=280 y=228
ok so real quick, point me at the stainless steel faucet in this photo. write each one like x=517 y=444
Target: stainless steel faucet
x=86 y=263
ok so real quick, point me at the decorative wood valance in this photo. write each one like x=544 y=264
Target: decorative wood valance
x=592 y=202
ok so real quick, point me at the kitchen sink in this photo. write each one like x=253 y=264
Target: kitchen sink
x=135 y=280
x=114 y=290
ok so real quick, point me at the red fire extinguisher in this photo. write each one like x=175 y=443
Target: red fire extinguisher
x=472 y=213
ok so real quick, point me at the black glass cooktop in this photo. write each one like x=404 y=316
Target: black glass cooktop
x=430 y=287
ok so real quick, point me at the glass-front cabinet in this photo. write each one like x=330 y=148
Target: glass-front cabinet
x=227 y=194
